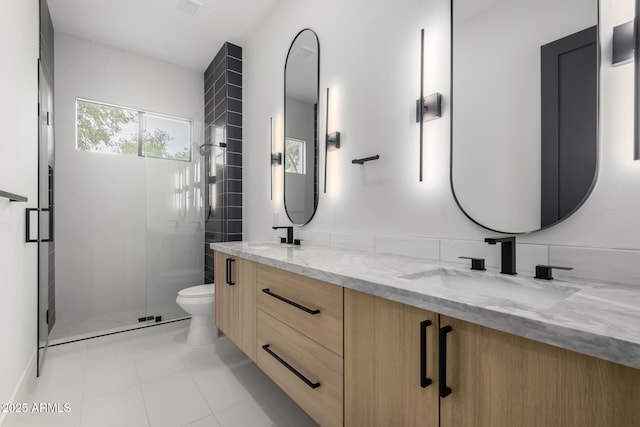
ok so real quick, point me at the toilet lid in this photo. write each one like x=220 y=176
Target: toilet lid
x=197 y=291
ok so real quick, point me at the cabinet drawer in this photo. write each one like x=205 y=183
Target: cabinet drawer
x=312 y=307
x=314 y=375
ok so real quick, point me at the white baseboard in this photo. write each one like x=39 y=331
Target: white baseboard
x=29 y=374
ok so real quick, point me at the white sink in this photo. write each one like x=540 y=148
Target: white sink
x=491 y=288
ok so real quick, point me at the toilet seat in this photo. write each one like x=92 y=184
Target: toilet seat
x=199 y=291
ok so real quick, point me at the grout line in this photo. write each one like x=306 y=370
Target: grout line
x=144 y=400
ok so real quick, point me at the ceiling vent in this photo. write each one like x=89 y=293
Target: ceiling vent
x=192 y=7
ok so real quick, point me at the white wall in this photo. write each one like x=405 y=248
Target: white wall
x=369 y=58
x=18 y=174
x=114 y=212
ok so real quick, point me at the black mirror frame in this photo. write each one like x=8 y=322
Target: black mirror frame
x=598 y=141
x=316 y=192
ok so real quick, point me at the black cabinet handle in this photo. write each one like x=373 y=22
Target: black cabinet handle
x=28 y=238
x=424 y=380
x=293 y=303
x=444 y=390
x=289 y=367
x=229 y=268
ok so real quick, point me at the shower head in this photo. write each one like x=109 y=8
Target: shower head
x=203 y=148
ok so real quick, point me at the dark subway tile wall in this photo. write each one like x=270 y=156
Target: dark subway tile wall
x=234 y=78
x=234 y=172
x=235 y=212
x=234 y=118
x=234 y=92
x=234 y=199
x=234 y=105
x=234 y=51
x=234 y=145
x=235 y=186
x=234 y=159
x=235 y=64
x=234 y=132
x=223 y=109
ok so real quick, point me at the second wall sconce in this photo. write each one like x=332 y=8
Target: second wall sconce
x=626 y=48
x=332 y=140
x=276 y=158
x=427 y=107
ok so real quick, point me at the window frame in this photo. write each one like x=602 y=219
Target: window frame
x=141 y=112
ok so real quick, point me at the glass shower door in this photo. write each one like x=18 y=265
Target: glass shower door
x=175 y=232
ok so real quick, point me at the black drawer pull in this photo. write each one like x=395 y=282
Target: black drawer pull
x=424 y=380
x=444 y=390
x=229 y=267
x=293 y=303
x=289 y=367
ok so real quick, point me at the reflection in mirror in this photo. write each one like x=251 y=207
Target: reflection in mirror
x=301 y=128
x=525 y=113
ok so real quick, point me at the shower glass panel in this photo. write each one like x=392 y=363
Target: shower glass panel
x=130 y=231
x=175 y=229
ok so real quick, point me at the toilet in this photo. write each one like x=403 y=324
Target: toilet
x=198 y=302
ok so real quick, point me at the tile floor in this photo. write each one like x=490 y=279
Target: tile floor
x=150 y=377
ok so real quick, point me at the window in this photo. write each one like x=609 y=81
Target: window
x=296 y=154
x=106 y=128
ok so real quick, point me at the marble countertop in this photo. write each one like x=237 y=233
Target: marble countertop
x=598 y=319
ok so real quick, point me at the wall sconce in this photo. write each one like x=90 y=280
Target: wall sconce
x=626 y=48
x=332 y=140
x=276 y=158
x=427 y=107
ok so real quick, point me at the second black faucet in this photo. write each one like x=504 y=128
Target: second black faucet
x=289 y=234
x=508 y=248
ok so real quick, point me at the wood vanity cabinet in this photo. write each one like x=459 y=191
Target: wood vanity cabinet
x=499 y=379
x=353 y=359
x=235 y=300
x=300 y=341
x=496 y=379
x=383 y=346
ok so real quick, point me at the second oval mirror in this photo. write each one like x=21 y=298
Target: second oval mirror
x=301 y=89
x=524 y=110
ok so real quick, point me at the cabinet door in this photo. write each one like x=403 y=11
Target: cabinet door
x=382 y=351
x=226 y=297
x=498 y=379
x=246 y=308
x=235 y=304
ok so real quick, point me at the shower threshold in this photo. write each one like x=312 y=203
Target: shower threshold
x=82 y=337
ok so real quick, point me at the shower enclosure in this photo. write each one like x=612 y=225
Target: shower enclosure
x=130 y=235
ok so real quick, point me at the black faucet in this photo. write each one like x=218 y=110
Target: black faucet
x=508 y=253
x=289 y=234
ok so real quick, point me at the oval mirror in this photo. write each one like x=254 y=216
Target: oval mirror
x=524 y=137
x=301 y=89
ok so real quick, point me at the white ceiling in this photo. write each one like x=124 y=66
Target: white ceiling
x=155 y=28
